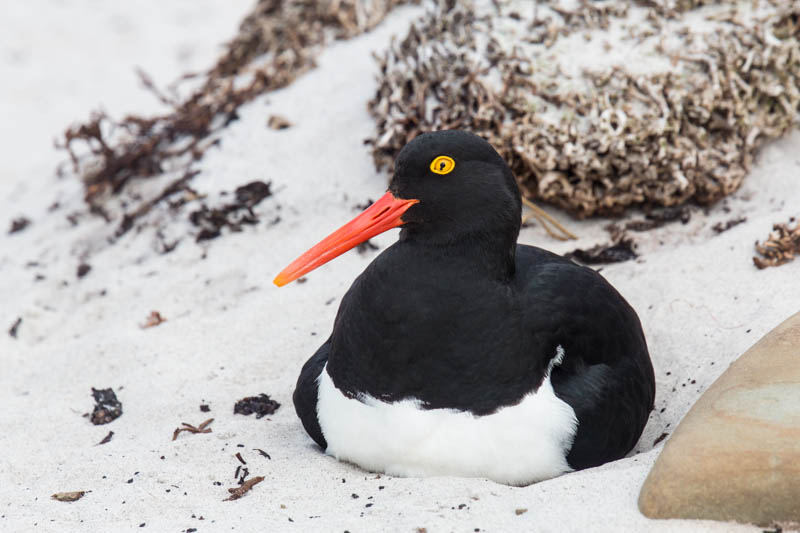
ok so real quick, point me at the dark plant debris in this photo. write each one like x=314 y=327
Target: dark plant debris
x=262 y=453
x=276 y=42
x=720 y=227
x=165 y=247
x=241 y=478
x=244 y=488
x=202 y=428
x=262 y=405
x=204 y=408
x=83 y=269
x=620 y=250
x=107 y=408
x=19 y=224
x=153 y=320
x=780 y=247
x=72 y=496
x=233 y=215
x=671 y=214
x=14 y=329
x=642 y=225
x=660 y=438
x=144 y=207
x=106 y=439
x=657 y=218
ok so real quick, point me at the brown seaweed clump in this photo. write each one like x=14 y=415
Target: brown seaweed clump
x=782 y=245
x=602 y=107
x=277 y=41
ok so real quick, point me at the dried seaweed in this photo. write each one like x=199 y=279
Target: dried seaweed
x=261 y=405
x=232 y=215
x=564 y=21
x=153 y=319
x=19 y=224
x=720 y=227
x=14 y=329
x=244 y=488
x=780 y=247
x=599 y=140
x=621 y=249
x=82 y=270
x=661 y=437
x=657 y=218
x=107 y=407
x=189 y=428
x=276 y=42
x=107 y=438
x=263 y=453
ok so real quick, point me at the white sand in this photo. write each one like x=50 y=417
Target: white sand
x=231 y=333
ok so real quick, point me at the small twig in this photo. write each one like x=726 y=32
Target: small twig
x=148 y=83
x=129 y=218
x=544 y=218
x=543 y=223
x=15 y=327
x=263 y=453
x=202 y=428
x=240 y=491
x=106 y=439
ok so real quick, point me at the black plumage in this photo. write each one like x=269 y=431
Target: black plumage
x=457 y=315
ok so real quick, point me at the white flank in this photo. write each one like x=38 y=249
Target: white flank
x=517 y=445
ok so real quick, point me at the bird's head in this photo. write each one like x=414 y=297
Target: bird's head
x=448 y=187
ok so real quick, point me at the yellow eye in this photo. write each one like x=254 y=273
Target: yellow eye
x=443 y=165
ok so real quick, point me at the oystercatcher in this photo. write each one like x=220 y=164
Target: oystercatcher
x=460 y=352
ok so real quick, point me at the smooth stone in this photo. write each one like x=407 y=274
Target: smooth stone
x=736 y=454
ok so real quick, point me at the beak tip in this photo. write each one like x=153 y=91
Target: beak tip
x=384 y=214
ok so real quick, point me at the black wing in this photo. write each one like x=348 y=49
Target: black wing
x=305 y=393
x=606 y=375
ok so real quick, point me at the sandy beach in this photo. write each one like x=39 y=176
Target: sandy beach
x=229 y=333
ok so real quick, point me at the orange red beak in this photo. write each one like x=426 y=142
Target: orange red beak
x=381 y=216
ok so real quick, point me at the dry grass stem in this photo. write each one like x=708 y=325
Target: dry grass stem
x=543 y=218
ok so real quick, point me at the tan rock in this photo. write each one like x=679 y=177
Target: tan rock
x=736 y=454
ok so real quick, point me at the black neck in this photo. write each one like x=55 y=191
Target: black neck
x=492 y=256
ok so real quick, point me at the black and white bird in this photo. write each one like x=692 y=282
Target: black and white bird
x=460 y=352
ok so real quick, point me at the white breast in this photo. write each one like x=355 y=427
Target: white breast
x=516 y=445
